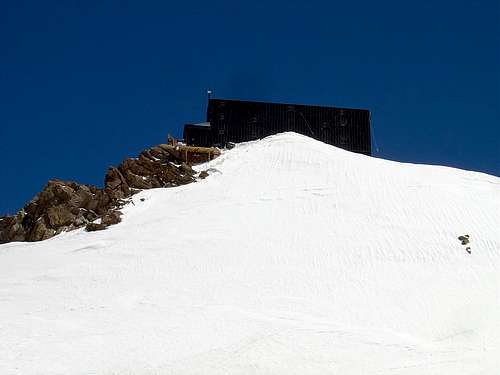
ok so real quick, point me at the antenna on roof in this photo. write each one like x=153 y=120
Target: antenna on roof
x=209 y=93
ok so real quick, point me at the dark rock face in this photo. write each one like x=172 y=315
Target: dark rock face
x=60 y=206
x=111 y=217
x=93 y=227
x=11 y=228
x=159 y=166
x=65 y=205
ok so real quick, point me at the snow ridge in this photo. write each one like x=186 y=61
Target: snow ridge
x=292 y=257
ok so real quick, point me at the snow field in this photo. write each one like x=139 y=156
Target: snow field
x=292 y=257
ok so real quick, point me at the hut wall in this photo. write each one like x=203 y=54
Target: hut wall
x=241 y=121
x=195 y=135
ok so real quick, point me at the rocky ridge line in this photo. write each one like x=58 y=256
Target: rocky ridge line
x=66 y=205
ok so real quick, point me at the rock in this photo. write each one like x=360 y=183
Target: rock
x=82 y=197
x=11 y=229
x=112 y=217
x=40 y=231
x=186 y=169
x=61 y=191
x=464 y=239
x=152 y=169
x=203 y=175
x=61 y=205
x=60 y=216
x=173 y=154
x=116 y=183
x=92 y=227
x=67 y=205
x=83 y=218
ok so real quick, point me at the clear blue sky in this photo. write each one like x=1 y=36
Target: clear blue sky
x=84 y=84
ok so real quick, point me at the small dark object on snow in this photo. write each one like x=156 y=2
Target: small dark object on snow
x=465 y=241
x=203 y=174
x=142 y=199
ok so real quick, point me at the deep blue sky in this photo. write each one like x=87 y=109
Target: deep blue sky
x=84 y=84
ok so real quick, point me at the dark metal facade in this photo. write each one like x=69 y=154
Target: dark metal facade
x=240 y=121
x=198 y=135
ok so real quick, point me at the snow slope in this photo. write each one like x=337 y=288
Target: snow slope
x=293 y=257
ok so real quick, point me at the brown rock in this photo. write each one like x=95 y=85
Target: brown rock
x=186 y=169
x=40 y=231
x=66 y=205
x=60 y=216
x=175 y=155
x=92 y=227
x=114 y=179
x=11 y=230
x=112 y=217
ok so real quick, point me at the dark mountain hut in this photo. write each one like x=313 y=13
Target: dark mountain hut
x=234 y=121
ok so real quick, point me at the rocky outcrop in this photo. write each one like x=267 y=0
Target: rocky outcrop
x=65 y=205
x=160 y=166
x=203 y=175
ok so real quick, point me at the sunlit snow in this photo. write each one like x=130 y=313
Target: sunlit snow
x=292 y=257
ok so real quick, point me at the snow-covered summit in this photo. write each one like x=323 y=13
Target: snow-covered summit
x=292 y=257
